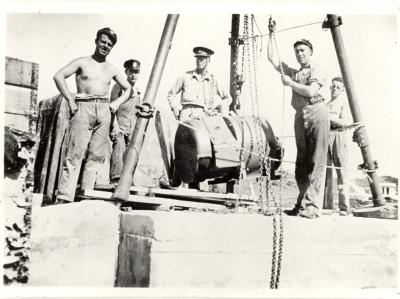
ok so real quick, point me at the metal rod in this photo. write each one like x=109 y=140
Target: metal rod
x=135 y=147
x=333 y=22
x=234 y=43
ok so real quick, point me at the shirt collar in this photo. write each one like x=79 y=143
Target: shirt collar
x=198 y=77
x=310 y=65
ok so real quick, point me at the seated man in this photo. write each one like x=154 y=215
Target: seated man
x=201 y=95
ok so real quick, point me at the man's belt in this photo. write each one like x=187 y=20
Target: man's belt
x=316 y=99
x=192 y=105
x=92 y=99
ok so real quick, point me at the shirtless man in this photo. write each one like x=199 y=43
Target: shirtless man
x=90 y=113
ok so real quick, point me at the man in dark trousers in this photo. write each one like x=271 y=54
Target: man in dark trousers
x=311 y=126
x=125 y=119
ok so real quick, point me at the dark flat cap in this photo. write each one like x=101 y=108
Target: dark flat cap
x=107 y=31
x=202 y=51
x=303 y=42
x=132 y=64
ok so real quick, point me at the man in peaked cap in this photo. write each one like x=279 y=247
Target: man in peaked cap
x=125 y=119
x=201 y=95
x=311 y=125
x=90 y=112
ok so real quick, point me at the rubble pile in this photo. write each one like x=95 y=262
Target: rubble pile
x=17 y=204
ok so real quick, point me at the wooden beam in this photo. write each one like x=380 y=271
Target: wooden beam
x=22 y=73
x=95 y=194
x=188 y=194
x=163 y=145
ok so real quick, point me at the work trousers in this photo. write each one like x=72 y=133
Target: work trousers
x=120 y=146
x=311 y=128
x=189 y=112
x=88 y=136
x=337 y=157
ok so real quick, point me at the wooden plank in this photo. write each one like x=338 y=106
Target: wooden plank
x=17 y=99
x=22 y=73
x=188 y=193
x=163 y=145
x=19 y=122
x=95 y=194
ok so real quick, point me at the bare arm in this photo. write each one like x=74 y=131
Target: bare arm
x=125 y=86
x=226 y=99
x=60 y=77
x=274 y=61
x=305 y=90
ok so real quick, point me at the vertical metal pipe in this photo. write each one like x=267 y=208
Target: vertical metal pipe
x=132 y=156
x=333 y=22
x=234 y=43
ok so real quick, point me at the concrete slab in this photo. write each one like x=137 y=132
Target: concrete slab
x=78 y=244
x=75 y=245
x=214 y=250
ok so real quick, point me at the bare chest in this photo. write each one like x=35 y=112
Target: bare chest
x=100 y=72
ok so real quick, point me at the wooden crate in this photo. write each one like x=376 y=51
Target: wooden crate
x=21 y=85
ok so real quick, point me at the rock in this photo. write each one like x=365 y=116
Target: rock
x=10 y=261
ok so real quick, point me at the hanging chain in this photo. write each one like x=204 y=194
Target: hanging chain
x=242 y=170
x=276 y=262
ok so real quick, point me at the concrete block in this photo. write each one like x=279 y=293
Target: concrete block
x=94 y=244
x=75 y=245
x=207 y=250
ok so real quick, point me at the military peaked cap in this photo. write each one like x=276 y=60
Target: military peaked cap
x=202 y=52
x=132 y=64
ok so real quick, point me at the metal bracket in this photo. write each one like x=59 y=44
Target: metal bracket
x=145 y=110
x=360 y=137
x=332 y=21
x=365 y=166
x=271 y=26
x=235 y=41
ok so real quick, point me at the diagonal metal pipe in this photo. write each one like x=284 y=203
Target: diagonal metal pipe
x=132 y=157
x=333 y=22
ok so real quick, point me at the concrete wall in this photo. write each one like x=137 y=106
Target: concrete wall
x=78 y=244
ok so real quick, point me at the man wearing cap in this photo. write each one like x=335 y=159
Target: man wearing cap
x=311 y=126
x=125 y=119
x=201 y=95
x=90 y=113
x=339 y=116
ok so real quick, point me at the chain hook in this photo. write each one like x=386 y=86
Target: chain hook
x=271 y=26
x=145 y=110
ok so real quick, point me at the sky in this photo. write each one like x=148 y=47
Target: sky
x=52 y=38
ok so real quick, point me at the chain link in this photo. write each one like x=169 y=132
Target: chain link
x=249 y=72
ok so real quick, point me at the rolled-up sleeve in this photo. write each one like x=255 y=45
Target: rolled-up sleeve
x=287 y=70
x=316 y=75
x=172 y=97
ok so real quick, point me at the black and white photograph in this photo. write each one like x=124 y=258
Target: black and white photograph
x=156 y=150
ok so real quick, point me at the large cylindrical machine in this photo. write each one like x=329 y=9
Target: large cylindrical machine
x=212 y=147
